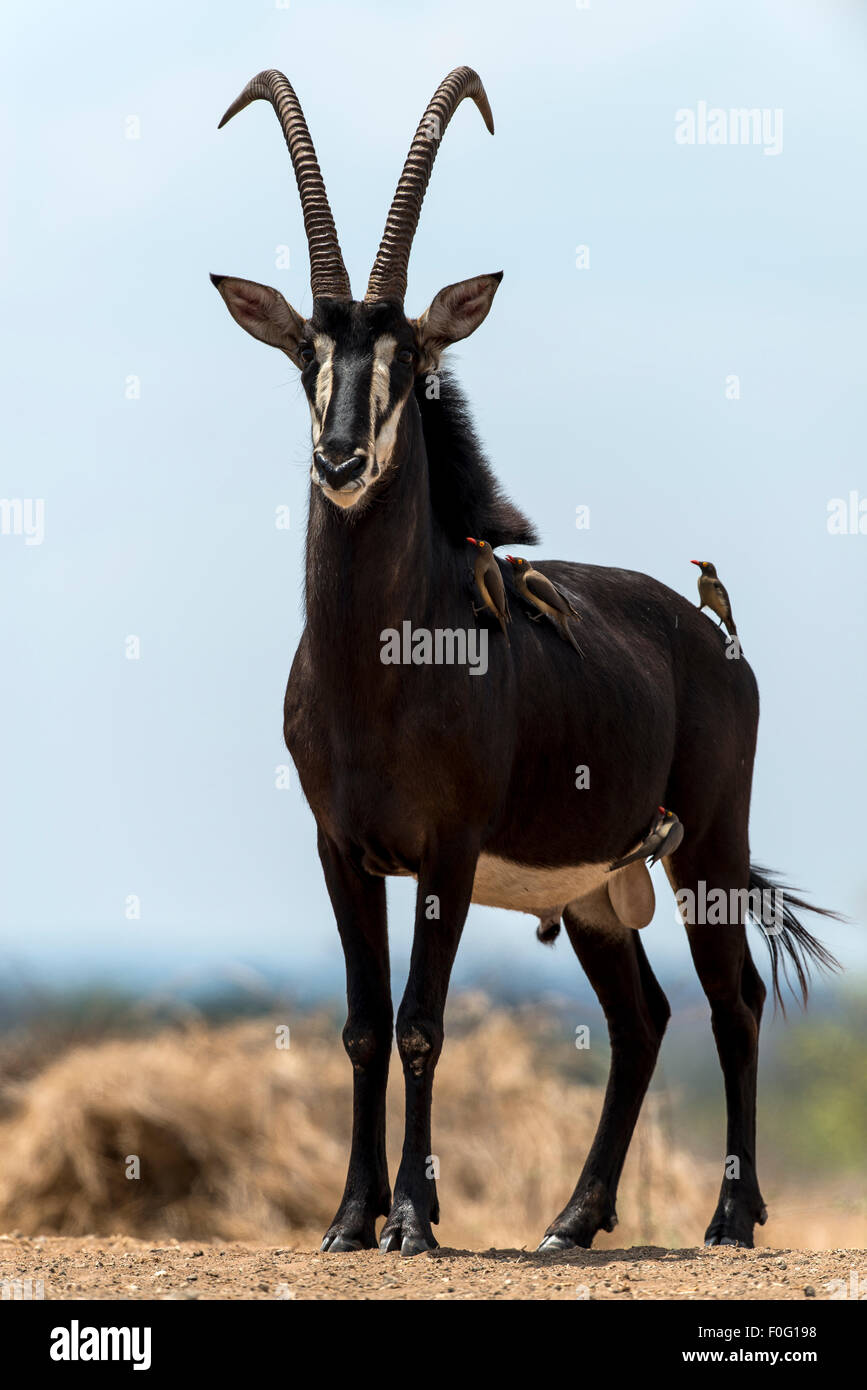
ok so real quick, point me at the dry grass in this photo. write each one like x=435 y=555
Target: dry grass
x=241 y=1140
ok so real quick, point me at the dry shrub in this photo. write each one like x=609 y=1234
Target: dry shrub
x=241 y=1140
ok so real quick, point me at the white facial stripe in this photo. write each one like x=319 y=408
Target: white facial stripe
x=382 y=438
x=324 y=346
x=380 y=378
x=383 y=445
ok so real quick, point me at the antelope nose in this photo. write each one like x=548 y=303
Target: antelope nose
x=337 y=474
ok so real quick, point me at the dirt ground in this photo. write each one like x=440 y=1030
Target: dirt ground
x=123 y=1268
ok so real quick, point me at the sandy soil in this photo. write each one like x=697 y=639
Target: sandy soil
x=122 y=1268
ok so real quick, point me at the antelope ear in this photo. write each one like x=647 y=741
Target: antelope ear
x=455 y=313
x=263 y=312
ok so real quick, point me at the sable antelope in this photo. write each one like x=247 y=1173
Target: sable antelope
x=468 y=785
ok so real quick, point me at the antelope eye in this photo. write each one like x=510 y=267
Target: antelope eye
x=405 y=355
x=307 y=353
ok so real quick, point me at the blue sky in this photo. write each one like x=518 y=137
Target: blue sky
x=156 y=777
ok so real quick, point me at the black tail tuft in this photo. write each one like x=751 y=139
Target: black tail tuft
x=790 y=945
x=547 y=932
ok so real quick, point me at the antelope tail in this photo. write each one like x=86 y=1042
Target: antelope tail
x=794 y=951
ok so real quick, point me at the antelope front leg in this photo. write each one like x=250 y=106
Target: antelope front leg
x=358 y=900
x=445 y=885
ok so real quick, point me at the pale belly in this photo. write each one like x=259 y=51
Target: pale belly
x=624 y=898
x=523 y=888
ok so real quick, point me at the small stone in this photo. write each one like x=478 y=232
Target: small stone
x=809 y=1291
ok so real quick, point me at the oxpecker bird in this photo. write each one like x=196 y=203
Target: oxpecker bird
x=489 y=583
x=665 y=835
x=538 y=590
x=713 y=593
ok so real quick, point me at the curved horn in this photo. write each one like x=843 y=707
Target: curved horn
x=328 y=277
x=388 y=277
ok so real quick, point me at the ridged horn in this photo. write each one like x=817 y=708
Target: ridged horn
x=328 y=277
x=388 y=276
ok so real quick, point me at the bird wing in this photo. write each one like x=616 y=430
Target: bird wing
x=648 y=845
x=722 y=594
x=540 y=587
x=496 y=589
x=566 y=596
x=636 y=854
x=670 y=843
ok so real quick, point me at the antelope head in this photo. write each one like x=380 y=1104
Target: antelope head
x=359 y=359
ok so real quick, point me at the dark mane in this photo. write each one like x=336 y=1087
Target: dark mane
x=466 y=497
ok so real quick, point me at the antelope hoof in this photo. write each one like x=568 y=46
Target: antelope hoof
x=350 y=1230
x=735 y=1226
x=415 y=1245
x=407 y=1231
x=408 y=1246
x=340 y=1245
x=552 y=1244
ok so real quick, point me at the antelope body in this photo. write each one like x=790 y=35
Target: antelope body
x=469 y=784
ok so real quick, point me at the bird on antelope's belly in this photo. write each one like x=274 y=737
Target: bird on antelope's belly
x=489 y=583
x=714 y=594
x=539 y=591
x=663 y=839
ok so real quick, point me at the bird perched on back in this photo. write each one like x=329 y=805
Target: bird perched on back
x=714 y=594
x=489 y=583
x=665 y=835
x=539 y=591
